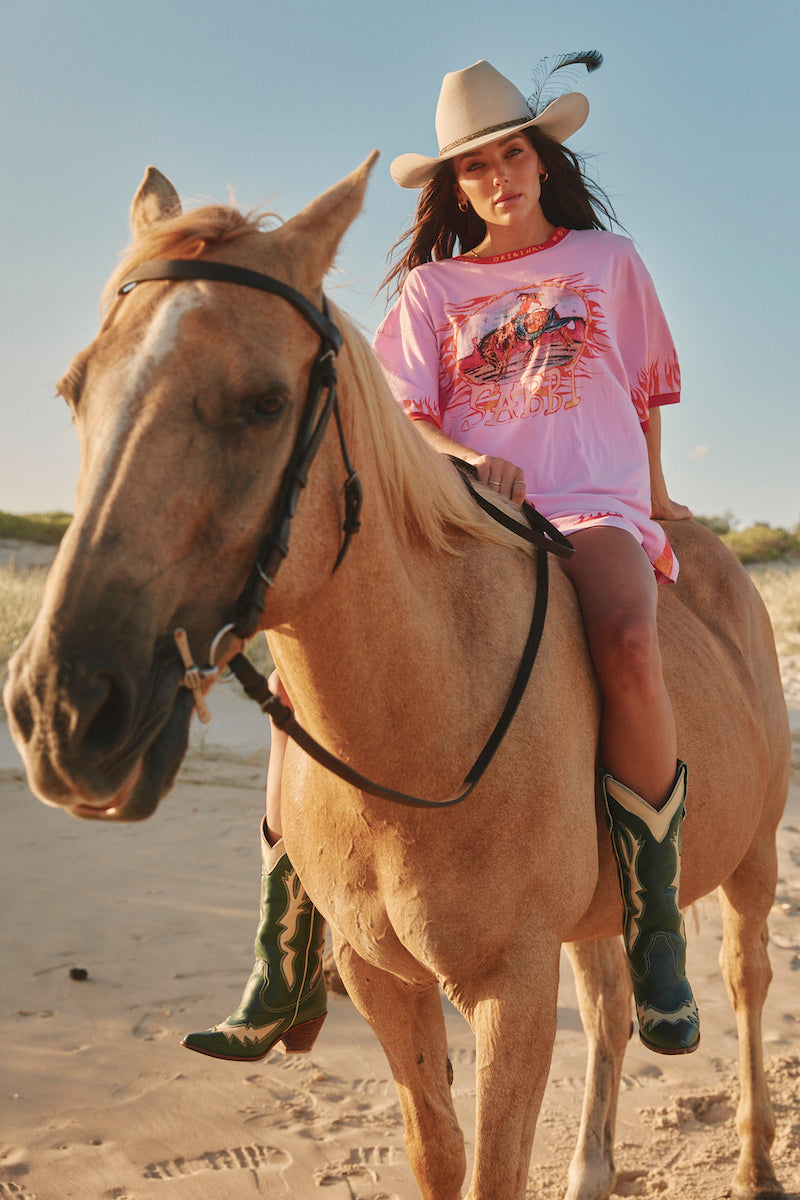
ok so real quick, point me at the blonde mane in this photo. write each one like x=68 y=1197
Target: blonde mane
x=187 y=235
x=426 y=498
x=427 y=501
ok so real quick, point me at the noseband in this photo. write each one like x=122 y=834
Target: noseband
x=275 y=546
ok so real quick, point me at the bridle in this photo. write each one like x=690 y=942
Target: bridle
x=316 y=413
x=274 y=548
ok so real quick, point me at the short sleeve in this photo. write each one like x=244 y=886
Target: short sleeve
x=644 y=340
x=408 y=351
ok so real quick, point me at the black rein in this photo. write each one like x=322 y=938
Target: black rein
x=537 y=530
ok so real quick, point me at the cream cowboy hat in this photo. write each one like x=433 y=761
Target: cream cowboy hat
x=478 y=105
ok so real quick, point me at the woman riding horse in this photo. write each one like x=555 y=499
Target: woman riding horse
x=567 y=417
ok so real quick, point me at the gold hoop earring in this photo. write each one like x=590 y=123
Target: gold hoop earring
x=544 y=178
x=463 y=205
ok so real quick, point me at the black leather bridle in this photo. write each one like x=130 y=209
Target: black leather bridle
x=275 y=546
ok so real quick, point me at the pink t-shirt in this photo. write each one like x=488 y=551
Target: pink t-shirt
x=549 y=357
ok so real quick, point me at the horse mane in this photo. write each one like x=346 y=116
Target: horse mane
x=427 y=500
x=187 y=235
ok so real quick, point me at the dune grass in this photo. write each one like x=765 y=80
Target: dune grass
x=21 y=591
x=779 y=586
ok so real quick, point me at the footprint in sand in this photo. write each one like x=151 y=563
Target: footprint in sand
x=14 y=1191
x=683 y=1110
x=239 y=1158
x=358 y=1165
x=635 y=1183
x=371 y=1087
x=150 y=1027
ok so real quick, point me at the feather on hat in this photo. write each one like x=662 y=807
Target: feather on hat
x=478 y=105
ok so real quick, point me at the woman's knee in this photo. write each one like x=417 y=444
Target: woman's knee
x=626 y=656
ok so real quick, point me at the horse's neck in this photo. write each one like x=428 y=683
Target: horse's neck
x=379 y=616
x=389 y=648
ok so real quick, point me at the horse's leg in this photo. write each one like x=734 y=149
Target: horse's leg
x=604 y=998
x=409 y=1023
x=746 y=899
x=512 y=1010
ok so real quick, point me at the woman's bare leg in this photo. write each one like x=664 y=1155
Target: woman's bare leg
x=274 y=772
x=277 y=750
x=617 y=591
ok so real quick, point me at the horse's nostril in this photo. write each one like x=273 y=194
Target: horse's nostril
x=21 y=709
x=105 y=709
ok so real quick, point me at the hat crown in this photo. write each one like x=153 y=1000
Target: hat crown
x=479 y=105
x=475 y=101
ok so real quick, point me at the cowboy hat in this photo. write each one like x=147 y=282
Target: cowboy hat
x=477 y=106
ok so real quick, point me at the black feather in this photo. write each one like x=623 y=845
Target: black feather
x=544 y=90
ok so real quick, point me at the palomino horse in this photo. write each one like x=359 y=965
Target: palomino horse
x=399 y=661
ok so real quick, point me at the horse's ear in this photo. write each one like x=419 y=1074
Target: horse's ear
x=155 y=200
x=314 y=234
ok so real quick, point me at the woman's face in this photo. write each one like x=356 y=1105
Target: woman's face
x=501 y=182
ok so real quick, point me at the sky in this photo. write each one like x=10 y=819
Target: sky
x=692 y=133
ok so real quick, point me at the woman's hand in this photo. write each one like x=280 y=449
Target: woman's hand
x=501 y=476
x=670 y=510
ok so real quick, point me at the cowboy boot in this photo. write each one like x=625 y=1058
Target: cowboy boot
x=647 y=847
x=285 y=997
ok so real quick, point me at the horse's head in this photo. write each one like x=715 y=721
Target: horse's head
x=187 y=407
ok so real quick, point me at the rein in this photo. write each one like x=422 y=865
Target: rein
x=274 y=548
x=547 y=539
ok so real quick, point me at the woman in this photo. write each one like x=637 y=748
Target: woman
x=540 y=354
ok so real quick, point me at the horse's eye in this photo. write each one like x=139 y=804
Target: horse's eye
x=269 y=404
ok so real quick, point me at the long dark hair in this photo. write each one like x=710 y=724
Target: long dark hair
x=442 y=230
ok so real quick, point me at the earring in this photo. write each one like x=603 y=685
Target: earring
x=463 y=205
x=544 y=177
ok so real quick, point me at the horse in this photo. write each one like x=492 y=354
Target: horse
x=398 y=656
x=526 y=326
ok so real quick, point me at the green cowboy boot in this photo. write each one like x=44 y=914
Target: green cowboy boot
x=647 y=847
x=285 y=998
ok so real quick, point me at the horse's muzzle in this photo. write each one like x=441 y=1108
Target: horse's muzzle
x=95 y=741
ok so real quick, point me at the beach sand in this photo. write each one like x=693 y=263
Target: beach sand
x=98 y=1101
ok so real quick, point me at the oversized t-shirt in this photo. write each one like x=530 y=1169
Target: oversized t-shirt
x=549 y=357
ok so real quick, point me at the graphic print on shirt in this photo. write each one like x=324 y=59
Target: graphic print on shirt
x=519 y=354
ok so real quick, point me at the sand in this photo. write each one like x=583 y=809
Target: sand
x=99 y=1100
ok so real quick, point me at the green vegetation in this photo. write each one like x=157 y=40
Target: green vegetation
x=760 y=543
x=45 y=528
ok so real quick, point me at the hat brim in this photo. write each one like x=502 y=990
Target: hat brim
x=562 y=117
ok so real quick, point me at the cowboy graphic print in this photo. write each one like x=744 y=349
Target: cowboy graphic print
x=569 y=335
x=517 y=353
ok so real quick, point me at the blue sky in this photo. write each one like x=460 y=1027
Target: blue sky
x=693 y=133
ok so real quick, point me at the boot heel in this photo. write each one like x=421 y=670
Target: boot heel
x=300 y=1038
